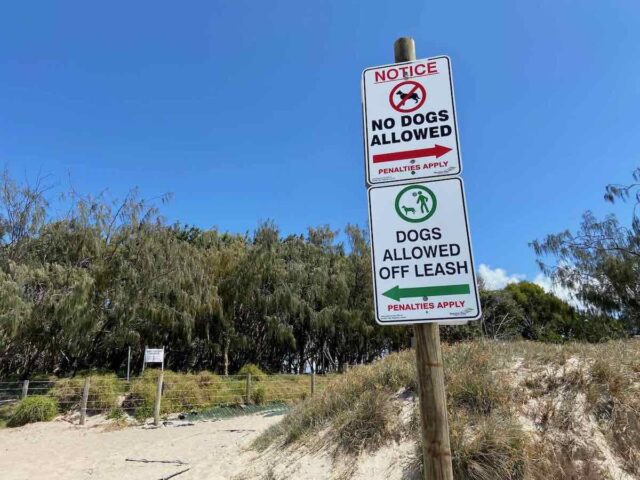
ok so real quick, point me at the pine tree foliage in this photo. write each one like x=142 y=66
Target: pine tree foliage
x=78 y=289
x=601 y=261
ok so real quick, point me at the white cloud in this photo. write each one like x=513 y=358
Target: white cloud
x=558 y=290
x=497 y=278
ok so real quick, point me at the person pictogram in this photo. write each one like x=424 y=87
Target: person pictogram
x=422 y=201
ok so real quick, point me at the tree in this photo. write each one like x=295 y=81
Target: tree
x=601 y=261
x=502 y=316
x=543 y=315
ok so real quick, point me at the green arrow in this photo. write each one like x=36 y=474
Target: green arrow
x=396 y=293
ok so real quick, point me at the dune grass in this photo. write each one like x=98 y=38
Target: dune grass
x=517 y=410
x=346 y=402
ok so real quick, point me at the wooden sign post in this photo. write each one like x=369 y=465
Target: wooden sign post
x=436 y=450
x=421 y=255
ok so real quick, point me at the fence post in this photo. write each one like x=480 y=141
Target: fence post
x=156 y=409
x=313 y=383
x=25 y=388
x=248 y=392
x=85 y=399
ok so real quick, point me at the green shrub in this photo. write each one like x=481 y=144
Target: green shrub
x=258 y=395
x=256 y=372
x=143 y=412
x=37 y=408
x=116 y=413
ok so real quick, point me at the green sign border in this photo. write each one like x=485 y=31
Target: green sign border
x=416 y=220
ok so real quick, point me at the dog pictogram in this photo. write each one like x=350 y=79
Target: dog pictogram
x=407 y=96
x=414 y=96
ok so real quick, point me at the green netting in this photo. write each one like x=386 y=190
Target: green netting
x=227 y=411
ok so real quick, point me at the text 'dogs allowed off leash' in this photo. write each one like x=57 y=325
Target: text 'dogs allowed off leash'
x=421 y=251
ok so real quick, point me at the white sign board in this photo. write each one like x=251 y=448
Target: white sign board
x=421 y=253
x=410 y=130
x=154 y=355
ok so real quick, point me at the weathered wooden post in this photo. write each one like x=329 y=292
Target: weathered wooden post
x=85 y=400
x=156 y=407
x=25 y=389
x=433 y=402
x=313 y=383
x=128 y=362
x=248 y=389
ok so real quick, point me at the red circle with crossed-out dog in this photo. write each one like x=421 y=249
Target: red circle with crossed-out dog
x=407 y=96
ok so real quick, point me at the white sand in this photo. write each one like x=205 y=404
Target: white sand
x=58 y=450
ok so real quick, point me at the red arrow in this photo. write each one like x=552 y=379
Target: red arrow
x=435 y=151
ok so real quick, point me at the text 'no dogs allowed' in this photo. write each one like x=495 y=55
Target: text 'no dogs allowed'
x=410 y=122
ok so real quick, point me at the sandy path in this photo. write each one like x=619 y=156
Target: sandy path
x=59 y=450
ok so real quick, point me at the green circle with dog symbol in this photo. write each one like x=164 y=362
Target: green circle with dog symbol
x=416 y=203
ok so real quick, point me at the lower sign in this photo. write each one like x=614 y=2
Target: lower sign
x=421 y=253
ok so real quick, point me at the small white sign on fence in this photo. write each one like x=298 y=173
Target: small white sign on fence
x=154 y=355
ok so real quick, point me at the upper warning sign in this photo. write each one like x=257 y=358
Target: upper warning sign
x=410 y=127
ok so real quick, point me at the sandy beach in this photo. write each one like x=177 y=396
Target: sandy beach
x=60 y=450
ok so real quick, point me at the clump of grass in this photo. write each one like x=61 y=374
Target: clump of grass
x=625 y=434
x=553 y=460
x=488 y=447
x=471 y=380
x=116 y=413
x=372 y=422
x=38 y=408
x=256 y=372
x=612 y=376
x=614 y=400
x=258 y=395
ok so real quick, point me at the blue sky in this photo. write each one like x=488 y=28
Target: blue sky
x=248 y=111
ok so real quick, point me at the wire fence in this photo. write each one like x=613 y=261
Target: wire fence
x=158 y=394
